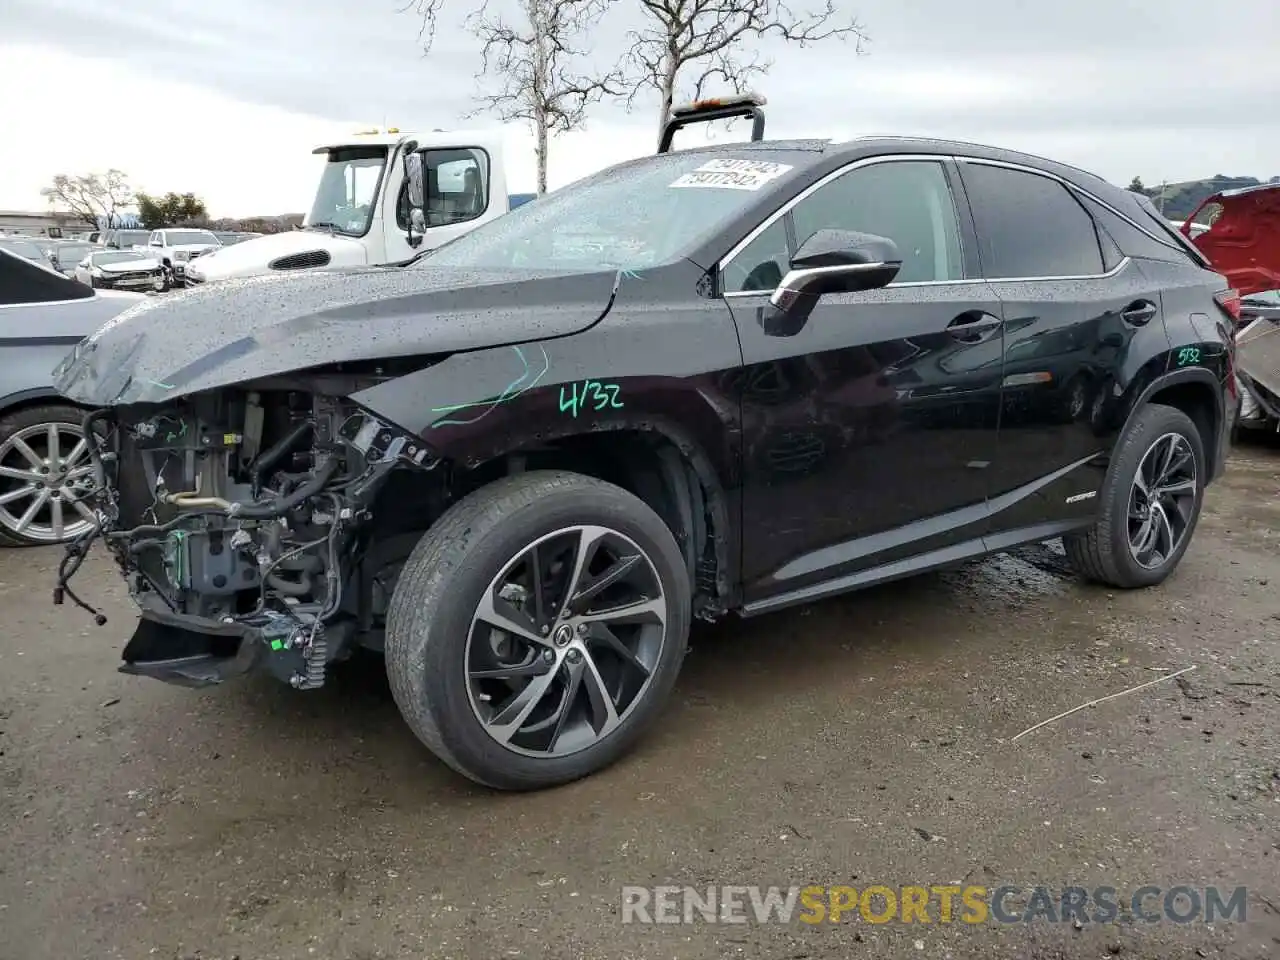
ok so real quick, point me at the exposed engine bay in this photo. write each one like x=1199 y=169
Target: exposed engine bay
x=239 y=520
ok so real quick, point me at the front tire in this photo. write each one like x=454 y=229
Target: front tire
x=537 y=629
x=1150 y=503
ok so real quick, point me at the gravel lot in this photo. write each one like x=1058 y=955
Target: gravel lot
x=864 y=740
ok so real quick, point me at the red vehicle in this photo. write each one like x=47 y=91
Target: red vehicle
x=1243 y=244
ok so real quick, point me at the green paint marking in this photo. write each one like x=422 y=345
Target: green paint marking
x=514 y=389
x=162 y=386
x=1188 y=355
x=604 y=395
x=277 y=645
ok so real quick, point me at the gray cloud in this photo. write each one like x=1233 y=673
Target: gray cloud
x=1104 y=76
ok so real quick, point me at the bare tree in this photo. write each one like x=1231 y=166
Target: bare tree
x=91 y=198
x=687 y=43
x=428 y=11
x=540 y=75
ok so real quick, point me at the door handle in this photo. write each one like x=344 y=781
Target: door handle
x=973 y=326
x=1138 y=313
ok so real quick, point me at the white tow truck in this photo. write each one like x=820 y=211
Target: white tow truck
x=362 y=212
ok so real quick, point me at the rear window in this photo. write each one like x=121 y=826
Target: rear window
x=1164 y=228
x=1030 y=226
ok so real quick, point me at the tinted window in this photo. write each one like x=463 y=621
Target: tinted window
x=1112 y=255
x=1030 y=226
x=22 y=281
x=1130 y=239
x=908 y=201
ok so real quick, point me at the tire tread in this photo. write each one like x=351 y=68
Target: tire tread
x=428 y=575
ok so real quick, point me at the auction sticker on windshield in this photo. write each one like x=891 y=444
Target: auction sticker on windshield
x=733 y=174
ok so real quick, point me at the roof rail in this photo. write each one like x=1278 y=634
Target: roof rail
x=714 y=108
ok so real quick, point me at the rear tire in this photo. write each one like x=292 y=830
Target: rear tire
x=460 y=683
x=1112 y=551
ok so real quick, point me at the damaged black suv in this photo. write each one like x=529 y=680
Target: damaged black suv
x=720 y=380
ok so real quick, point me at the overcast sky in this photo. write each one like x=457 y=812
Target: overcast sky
x=227 y=98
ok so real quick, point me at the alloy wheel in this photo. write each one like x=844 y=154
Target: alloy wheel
x=45 y=470
x=565 y=640
x=1162 y=501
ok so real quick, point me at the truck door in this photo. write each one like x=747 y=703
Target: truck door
x=464 y=188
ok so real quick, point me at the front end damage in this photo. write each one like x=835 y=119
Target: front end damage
x=239 y=518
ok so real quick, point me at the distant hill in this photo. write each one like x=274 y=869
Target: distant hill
x=1179 y=200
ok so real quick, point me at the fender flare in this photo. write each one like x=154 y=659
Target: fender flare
x=716 y=500
x=23 y=397
x=724 y=532
x=1181 y=376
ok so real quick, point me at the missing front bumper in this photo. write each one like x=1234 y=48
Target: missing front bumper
x=197 y=652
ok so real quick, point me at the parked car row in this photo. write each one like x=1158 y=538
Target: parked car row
x=125 y=259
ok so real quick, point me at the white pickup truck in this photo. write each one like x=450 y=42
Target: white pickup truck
x=361 y=213
x=176 y=247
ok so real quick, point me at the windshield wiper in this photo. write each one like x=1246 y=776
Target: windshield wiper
x=326 y=225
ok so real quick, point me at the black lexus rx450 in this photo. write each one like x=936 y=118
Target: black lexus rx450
x=723 y=380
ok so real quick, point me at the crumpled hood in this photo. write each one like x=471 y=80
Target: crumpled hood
x=1243 y=243
x=243 y=330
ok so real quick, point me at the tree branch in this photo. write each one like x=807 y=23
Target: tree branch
x=90 y=197
x=711 y=34
x=428 y=13
x=534 y=71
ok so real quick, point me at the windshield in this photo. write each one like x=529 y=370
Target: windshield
x=23 y=248
x=115 y=256
x=345 y=198
x=127 y=238
x=629 y=218
x=173 y=237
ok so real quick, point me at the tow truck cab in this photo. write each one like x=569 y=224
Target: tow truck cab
x=370 y=209
x=360 y=212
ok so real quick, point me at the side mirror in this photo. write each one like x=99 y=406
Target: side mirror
x=414 y=179
x=830 y=261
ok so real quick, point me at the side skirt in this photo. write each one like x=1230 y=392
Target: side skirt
x=900 y=569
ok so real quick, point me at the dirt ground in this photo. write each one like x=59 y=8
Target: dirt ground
x=865 y=740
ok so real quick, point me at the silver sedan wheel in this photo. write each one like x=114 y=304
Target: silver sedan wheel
x=45 y=470
x=565 y=640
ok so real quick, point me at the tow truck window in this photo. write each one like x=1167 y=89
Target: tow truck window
x=457 y=183
x=907 y=201
x=346 y=197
